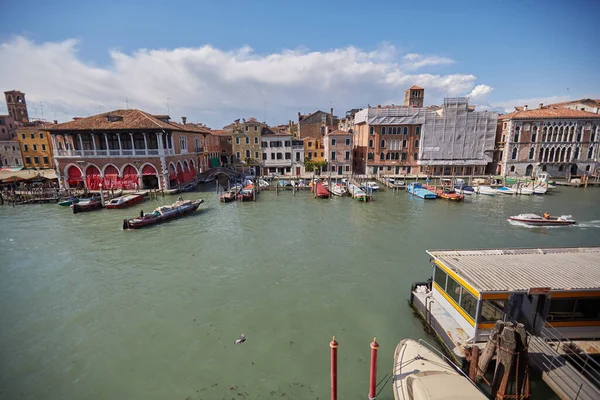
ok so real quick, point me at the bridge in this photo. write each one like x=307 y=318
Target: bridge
x=214 y=172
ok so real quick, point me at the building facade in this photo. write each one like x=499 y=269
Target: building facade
x=314 y=125
x=246 y=144
x=414 y=97
x=276 y=154
x=220 y=147
x=347 y=123
x=17 y=106
x=297 y=157
x=314 y=150
x=338 y=152
x=559 y=141
x=125 y=149
x=589 y=105
x=8 y=127
x=36 y=146
x=10 y=153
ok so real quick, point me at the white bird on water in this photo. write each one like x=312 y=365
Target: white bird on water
x=241 y=340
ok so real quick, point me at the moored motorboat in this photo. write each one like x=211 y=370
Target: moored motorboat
x=464 y=189
x=538 y=220
x=417 y=189
x=523 y=189
x=539 y=189
x=421 y=374
x=321 y=191
x=339 y=190
x=125 y=201
x=485 y=190
x=262 y=184
x=247 y=193
x=506 y=190
x=190 y=187
x=69 y=201
x=358 y=193
x=228 y=196
x=446 y=193
x=86 y=205
x=370 y=186
x=162 y=214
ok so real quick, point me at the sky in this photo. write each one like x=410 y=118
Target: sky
x=216 y=61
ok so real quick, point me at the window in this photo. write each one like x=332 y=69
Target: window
x=418 y=130
x=310 y=144
x=514 y=154
x=288 y=143
x=288 y=156
x=372 y=130
x=183 y=143
x=247 y=153
x=256 y=155
x=333 y=155
x=237 y=141
x=23 y=135
x=404 y=156
x=387 y=156
x=404 y=144
x=321 y=154
x=247 y=140
x=255 y=139
x=370 y=156
x=237 y=155
x=590 y=152
x=264 y=156
x=512 y=168
x=382 y=156
x=36 y=160
x=18 y=163
x=35 y=147
x=46 y=160
x=348 y=142
x=440 y=277
x=310 y=155
x=516 y=137
x=416 y=143
x=416 y=156
x=27 y=160
x=347 y=156
x=255 y=128
x=32 y=135
x=279 y=156
x=41 y=135
x=576 y=153
x=382 y=144
x=406 y=130
x=531 y=153
x=383 y=130
x=273 y=156
x=298 y=156
x=347 y=168
x=453 y=289
x=492 y=310
x=371 y=144
x=246 y=127
x=25 y=147
x=333 y=142
x=527 y=127
x=468 y=302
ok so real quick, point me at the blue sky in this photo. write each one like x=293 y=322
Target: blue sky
x=274 y=58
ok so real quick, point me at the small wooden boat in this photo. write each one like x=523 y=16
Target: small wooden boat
x=125 y=201
x=228 y=196
x=321 y=191
x=538 y=220
x=86 y=205
x=69 y=201
x=417 y=189
x=162 y=214
x=247 y=193
x=420 y=373
x=449 y=194
x=190 y=187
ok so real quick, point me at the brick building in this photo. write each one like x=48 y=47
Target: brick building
x=559 y=141
x=219 y=147
x=414 y=97
x=338 y=152
x=17 y=106
x=125 y=149
x=314 y=125
x=10 y=153
x=246 y=146
x=8 y=127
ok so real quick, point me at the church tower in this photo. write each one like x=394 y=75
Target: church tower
x=414 y=96
x=17 y=107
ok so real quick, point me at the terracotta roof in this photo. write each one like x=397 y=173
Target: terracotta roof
x=339 y=132
x=416 y=87
x=587 y=102
x=221 y=132
x=548 y=112
x=118 y=120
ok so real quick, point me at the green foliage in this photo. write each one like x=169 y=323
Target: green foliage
x=310 y=165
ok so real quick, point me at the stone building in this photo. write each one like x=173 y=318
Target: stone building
x=414 y=97
x=559 y=141
x=10 y=153
x=35 y=143
x=8 y=127
x=276 y=153
x=17 y=106
x=338 y=152
x=314 y=125
x=246 y=145
x=589 y=105
x=126 y=149
x=220 y=147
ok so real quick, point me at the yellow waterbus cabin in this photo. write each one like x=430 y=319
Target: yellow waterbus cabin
x=552 y=291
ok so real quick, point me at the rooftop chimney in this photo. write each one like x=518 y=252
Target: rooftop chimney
x=525 y=107
x=55 y=122
x=183 y=119
x=541 y=105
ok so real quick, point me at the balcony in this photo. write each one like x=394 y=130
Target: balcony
x=115 y=153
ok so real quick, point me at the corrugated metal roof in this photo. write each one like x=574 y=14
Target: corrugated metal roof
x=521 y=269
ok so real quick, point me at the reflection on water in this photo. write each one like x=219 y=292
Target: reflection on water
x=88 y=310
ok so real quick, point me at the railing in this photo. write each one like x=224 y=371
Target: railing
x=586 y=365
x=199 y=150
x=101 y=152
x=88 y=153
x=152 y=152
x=114 y=152
x=140 y=152
x=127 y=152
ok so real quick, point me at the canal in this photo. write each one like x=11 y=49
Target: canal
x=90 y=311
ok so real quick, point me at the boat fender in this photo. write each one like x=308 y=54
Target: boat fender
x=125 y=224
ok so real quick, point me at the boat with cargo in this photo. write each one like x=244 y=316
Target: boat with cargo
x=125 y=201
x=163 y=213
x=543 y=220
x=90 y=204
x=417 y=189
x=321 y=191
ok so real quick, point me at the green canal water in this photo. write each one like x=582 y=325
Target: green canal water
x=88 y=311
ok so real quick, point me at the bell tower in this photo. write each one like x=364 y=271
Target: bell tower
x=16 y=105
x=414 y=97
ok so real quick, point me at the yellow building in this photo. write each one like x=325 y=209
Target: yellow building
x=314 y=150
x=36 y=146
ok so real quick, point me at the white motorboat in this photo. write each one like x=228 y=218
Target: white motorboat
x=524 y=190
x=421 y=374
x=485 y=190
x=338 y=190
x=506 y=190
x=538 y=189
x=370 y=186
x=396 y=184
x=262 y=184
x=538 y=220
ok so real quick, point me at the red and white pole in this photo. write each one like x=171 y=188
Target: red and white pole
x=373 y=373
x=334 y=347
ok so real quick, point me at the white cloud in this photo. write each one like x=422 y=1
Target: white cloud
x=215 y=86
x=479 y=92
x=414 y=61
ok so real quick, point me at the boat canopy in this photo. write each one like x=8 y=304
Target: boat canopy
x=436 y=385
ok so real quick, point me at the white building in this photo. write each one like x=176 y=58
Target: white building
x=298 y=157
x=276 y=153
